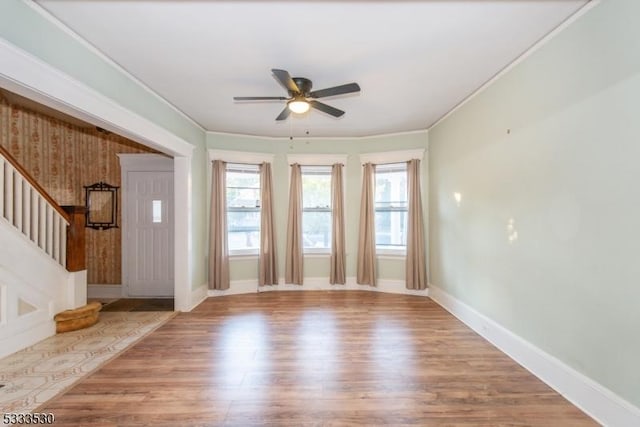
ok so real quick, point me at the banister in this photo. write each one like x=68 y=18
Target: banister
x=34 y=183
x=76 y=251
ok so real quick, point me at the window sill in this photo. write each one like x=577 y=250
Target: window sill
x=391 y=254
x=392 y=257
x=241 y=256
x=318 y=254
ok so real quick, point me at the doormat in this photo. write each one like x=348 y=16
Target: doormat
x=140 y=304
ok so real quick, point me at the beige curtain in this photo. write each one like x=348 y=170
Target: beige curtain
x=337 y=272
x=294 y=259
x=218 y=253
x=367 y=237
x=267 y=264
x=416 y=266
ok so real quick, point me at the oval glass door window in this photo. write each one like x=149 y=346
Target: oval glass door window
x=157 y=211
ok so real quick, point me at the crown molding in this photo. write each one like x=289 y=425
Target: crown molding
x=537 y=45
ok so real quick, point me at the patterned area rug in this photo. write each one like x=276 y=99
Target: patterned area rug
x=38 y=373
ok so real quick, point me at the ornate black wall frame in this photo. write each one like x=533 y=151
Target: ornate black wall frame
x=101 y=202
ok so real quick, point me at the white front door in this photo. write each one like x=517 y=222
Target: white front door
x=148 y=268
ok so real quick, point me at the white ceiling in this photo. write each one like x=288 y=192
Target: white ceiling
x=414 y=60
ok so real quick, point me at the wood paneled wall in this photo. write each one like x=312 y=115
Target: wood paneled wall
x=63 y=158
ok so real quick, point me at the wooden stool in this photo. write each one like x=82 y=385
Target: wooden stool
x=78 y=318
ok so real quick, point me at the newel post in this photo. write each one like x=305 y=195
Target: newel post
x=76 y=252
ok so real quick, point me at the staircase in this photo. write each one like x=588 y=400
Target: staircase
x=36 y=236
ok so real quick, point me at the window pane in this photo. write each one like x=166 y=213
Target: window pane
x=243 y=189
x=316 y=205
x=243 y=207
x=316 y=229
x=244 y=229
x=391 y=206
x=391 y=229
x=391 y=188
x=156 y=211
x=316 y=189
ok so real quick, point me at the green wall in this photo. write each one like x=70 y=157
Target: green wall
x=392 y=269
x=199 y=217
x=550 y=150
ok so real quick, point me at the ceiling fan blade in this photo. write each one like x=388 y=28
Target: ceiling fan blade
x=285 y=80
x=259 y=98
x=326 y=108
x=284 y=114
x=336 y=90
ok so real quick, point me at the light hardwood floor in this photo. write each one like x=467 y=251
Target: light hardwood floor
x=314 y=358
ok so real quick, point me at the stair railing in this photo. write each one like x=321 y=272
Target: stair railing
x=31 y=210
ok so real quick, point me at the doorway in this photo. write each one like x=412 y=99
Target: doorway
x=147 y=226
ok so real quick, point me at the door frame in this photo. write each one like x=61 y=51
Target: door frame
x=139 y=163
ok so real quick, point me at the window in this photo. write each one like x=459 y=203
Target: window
x=156 y=213
x=243 y=208
x=391 y=206
x=316 y=208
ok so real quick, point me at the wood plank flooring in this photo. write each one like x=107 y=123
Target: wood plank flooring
x=314 y=358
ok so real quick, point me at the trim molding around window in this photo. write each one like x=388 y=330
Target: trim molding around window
x=317 y=159
x=391 y=208
x=398 y=156
x=316 y=209
x=240 y=156
x=310 y=160
x=391 y=254
x=243 y=208
x=390 y=157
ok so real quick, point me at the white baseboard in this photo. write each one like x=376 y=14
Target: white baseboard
x=104 y=291
x=397 y=287
x=236 y=287
x=317 y=284
x=197 y=296
x=599 y=402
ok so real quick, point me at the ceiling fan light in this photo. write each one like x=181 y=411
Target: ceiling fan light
x=298 y=106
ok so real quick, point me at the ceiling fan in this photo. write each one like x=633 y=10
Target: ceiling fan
x=300 y=96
